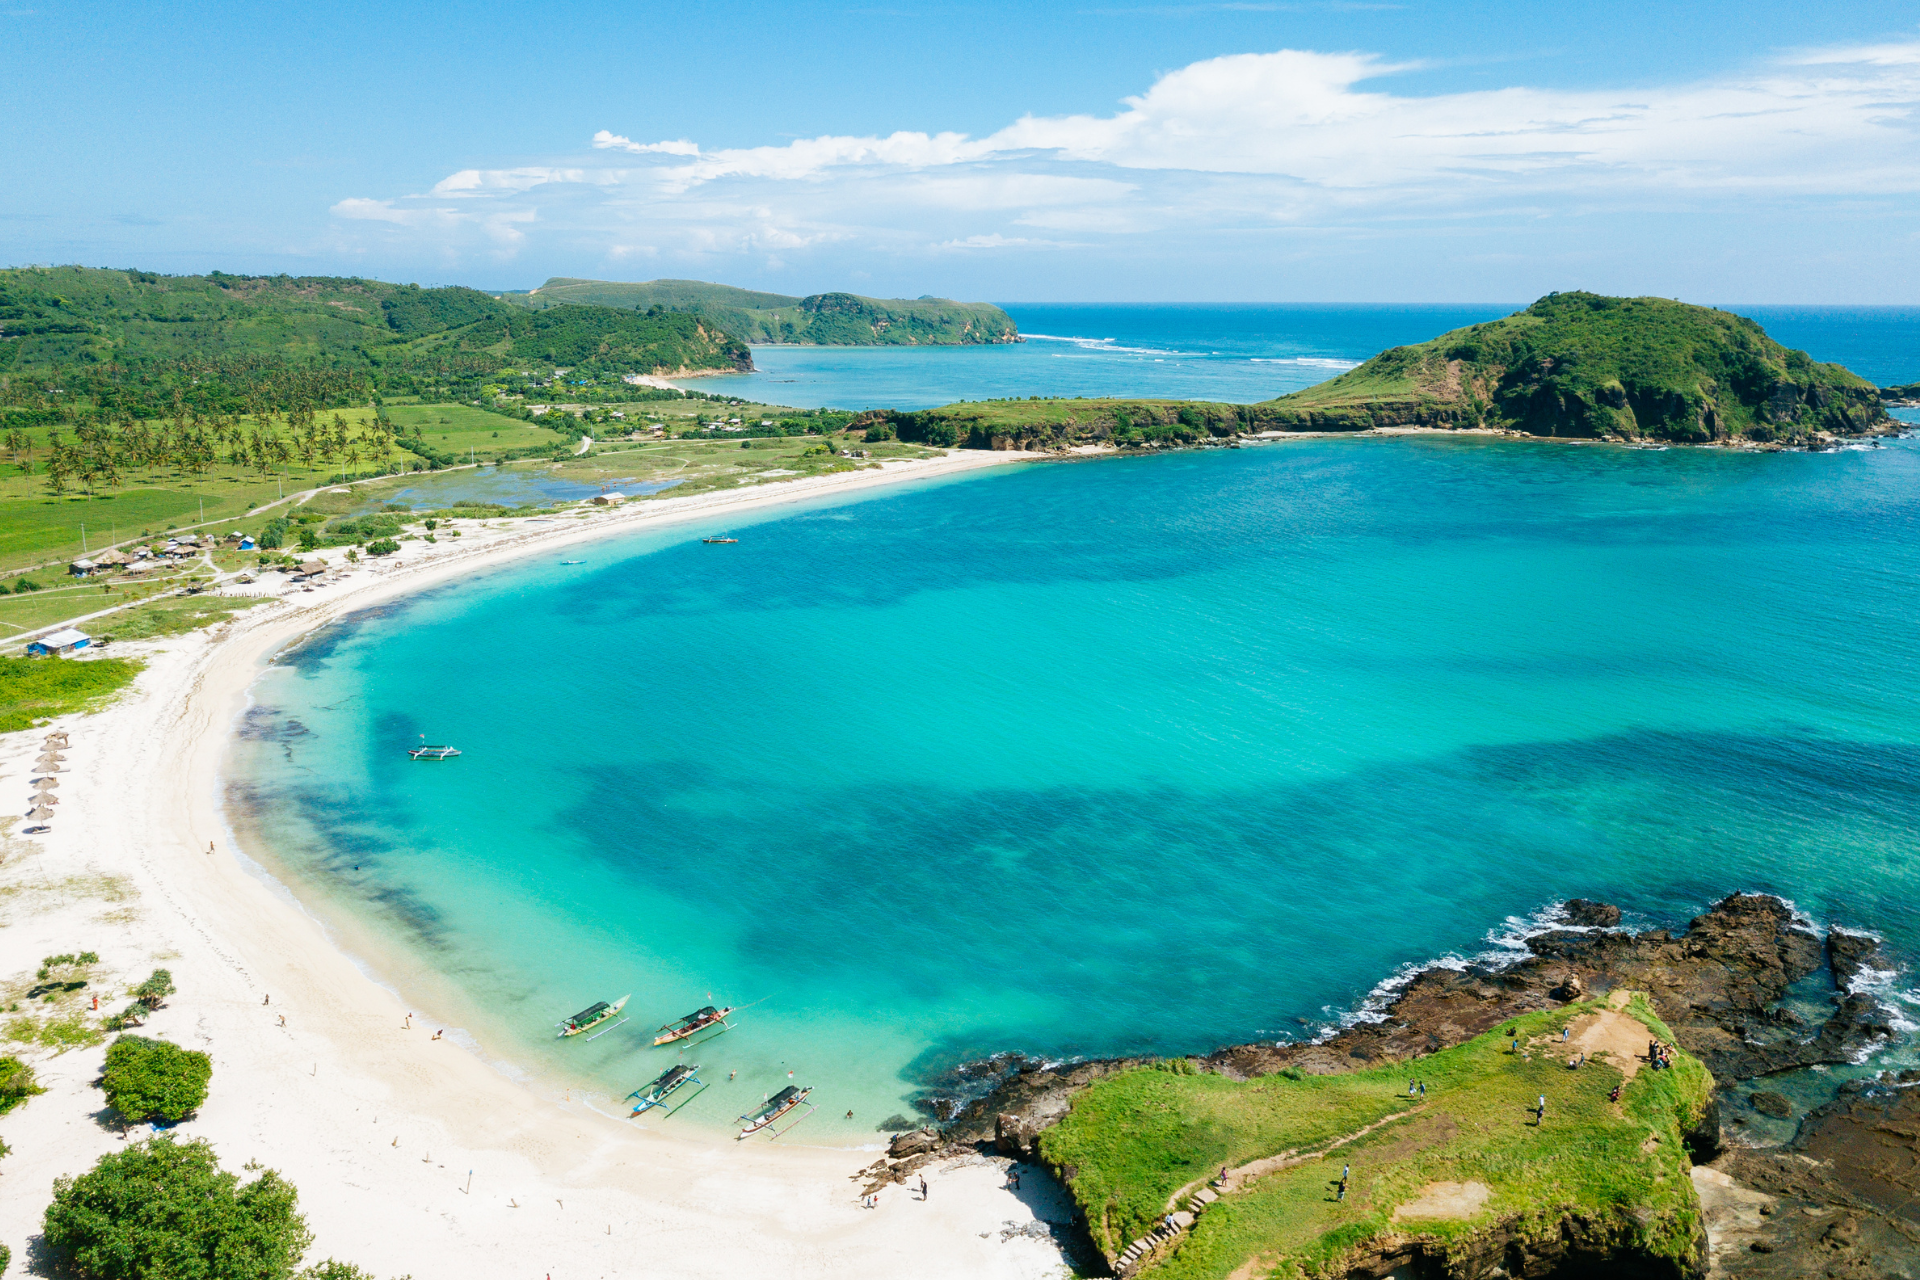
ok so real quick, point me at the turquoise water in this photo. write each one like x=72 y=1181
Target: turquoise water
x=1131 y=755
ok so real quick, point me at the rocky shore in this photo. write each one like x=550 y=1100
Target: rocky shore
x=1841 y=1198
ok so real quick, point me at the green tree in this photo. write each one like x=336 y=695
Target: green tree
x=382 y=547
x=155 y=990
x=165 y=1210
x=16 y=1083
x=147 y=1078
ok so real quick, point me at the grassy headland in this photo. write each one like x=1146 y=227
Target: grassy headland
x=823 y=319
x=1142 y=1144
x=1573 y=364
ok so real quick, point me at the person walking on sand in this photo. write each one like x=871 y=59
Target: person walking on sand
x=923 y=1186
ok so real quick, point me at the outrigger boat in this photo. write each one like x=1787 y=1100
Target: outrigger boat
x=722 y=539
x=694 y=1023
x=773 y=1108
x=652 y=1095
x=592 y=1016
x=427 y=751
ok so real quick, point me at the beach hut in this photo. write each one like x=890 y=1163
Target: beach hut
x=63 y=641
x=607 y=499
x=312 y=568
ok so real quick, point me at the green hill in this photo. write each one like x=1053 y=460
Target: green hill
x=1579 y=364
x=824 y=319
x=319 y=339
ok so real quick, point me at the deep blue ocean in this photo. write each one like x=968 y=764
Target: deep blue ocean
x=1129 y=755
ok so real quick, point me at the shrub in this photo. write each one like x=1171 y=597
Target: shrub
x=16 y=1083
x=308 y=537
x=274 y=534
x=163 y=1209
x=147 y=1078
x=382 y=547
x=155 y=990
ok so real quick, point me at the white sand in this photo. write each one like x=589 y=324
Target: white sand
x=377 y=1125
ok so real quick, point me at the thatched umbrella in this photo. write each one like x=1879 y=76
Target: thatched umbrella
x=46 y=782
x=41 y=814
x=45 y=797
x=49 y=757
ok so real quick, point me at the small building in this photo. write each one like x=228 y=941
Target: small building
x=113 y=558
x=65 y=640
x=246 y=542
x=607 y=499
x=142 y=566
x=83 y=568
x=312 y=568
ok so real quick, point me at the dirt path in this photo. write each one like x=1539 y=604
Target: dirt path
x=1243 y=1174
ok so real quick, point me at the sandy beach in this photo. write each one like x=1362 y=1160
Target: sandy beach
x=412 y=1155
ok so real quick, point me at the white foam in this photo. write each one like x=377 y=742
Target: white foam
x=1101 y=344
x=1317 y=362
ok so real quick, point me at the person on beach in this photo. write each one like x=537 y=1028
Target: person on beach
x=438 y=1034
x=266 y=999
x=923 y=1186
x=209 y=846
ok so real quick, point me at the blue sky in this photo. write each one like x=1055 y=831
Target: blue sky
x=1417 y=151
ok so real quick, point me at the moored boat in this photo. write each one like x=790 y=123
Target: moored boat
x=720 y=539
x=652 y=1095
x=431 y=752
x=773 y=1108
x=697 y=1021
x=592 y=1016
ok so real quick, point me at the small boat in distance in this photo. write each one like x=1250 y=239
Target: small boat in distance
x=652 y=1095
x=592 y=1016
x=722 y=538
x=573 y=562
x=773 y=1108
x=697 y=1021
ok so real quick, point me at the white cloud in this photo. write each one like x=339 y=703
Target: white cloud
x=606 y=141
x=1243 y=145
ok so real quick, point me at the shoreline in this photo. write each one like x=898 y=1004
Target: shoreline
x=377 y=1124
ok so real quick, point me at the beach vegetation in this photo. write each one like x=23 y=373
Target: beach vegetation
x=382 y=547
x=155 y=1078
x=164 y=1210
x=1137 y=1145
x=59 y=1033
x=171 y=617
x=17 y=1083
x=154 y=991
x=35 y=690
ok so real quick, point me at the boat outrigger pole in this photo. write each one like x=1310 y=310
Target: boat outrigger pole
x=593 y=1016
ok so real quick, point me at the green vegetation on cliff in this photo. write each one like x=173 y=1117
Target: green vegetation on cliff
x=146 y=343
x=824 y=319
x=1584 y=365
x=1461 y=1171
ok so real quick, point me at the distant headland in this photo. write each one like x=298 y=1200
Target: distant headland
x=1572 y=365
x=822 y=319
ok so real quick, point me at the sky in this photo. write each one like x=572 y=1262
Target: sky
x=1422 y=151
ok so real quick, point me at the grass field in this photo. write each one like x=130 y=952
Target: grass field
x=34 y=690
x=1137 y=1139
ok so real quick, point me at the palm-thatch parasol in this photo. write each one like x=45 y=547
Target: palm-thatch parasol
x=45 y=783
x=41 y=814
x=49 y=757
x=45 y=797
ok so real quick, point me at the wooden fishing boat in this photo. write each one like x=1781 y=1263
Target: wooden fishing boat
x=592 y=1016
x=427 y=751
x=697 y=1021
x=719 y=540
x=652 y=1095
x=773 y=1108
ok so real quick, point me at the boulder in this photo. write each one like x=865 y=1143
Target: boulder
x=913 y=1143
x=1589 y=914
x=1849 y=953
x=1016 y=1137
x=1770 y=1104
x=1570 y=989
